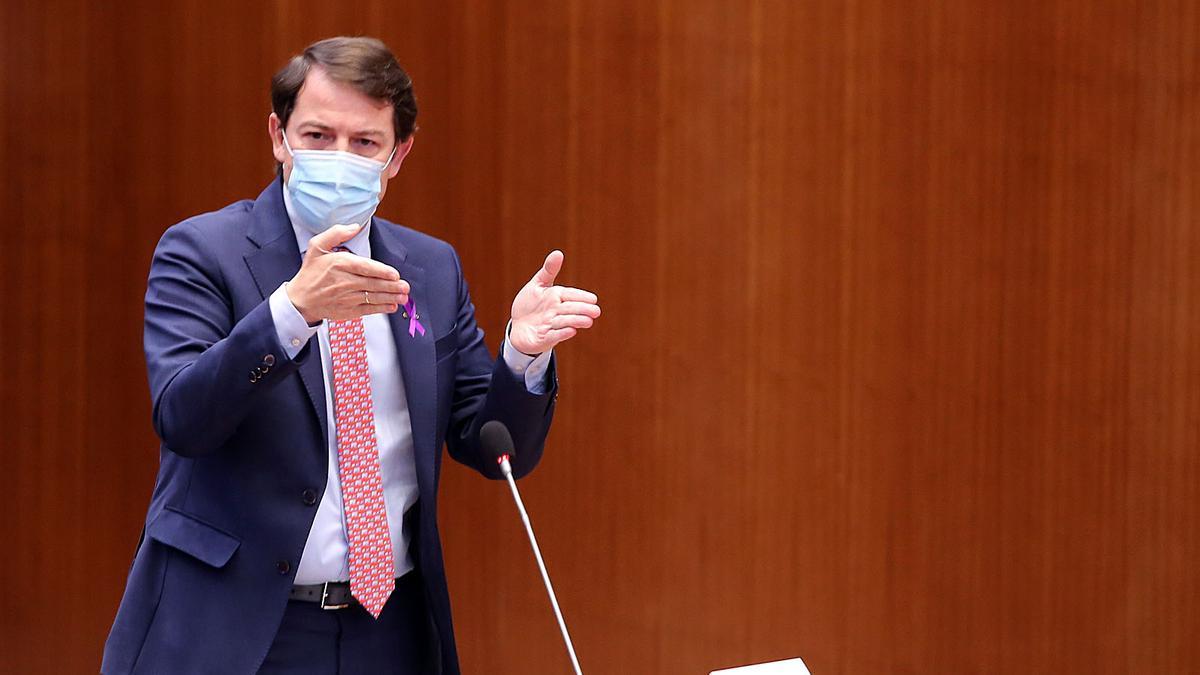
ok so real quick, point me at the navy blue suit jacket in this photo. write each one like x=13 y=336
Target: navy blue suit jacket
x=243 y=431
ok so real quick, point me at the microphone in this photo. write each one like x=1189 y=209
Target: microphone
x=496 y=441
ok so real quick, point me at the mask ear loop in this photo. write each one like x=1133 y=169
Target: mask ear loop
x=391 y=157
x=381 y=172
x=286 y=144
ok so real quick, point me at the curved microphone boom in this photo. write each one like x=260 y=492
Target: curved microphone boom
x=496 y=441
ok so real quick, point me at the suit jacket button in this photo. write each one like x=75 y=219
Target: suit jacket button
x=310 y=496
x=269 y=360
x=283 y=567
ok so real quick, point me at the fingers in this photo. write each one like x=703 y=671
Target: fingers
x=379 y=292
x=363 y=310
x=566 y=294
x=344 y=261
x=348 y=310
x=557 y=335
x=361 y=303
x=580 y=308
x=337 y=235
x=366 y=267
x=550 y=269
x=380 y=286
x=369 y=298
x=570 y=321
x=392 y=293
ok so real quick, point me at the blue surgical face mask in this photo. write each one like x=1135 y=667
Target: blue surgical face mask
x=331 y=187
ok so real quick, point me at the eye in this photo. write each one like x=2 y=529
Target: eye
x=365 y=142
x=315 y=135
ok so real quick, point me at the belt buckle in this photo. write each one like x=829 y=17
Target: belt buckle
x=325 y=596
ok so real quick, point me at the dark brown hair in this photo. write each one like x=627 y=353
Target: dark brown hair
x=362 y=62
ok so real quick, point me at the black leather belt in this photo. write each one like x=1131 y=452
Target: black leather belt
x=330 y=595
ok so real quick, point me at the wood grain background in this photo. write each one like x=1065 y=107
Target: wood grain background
x=900 y=363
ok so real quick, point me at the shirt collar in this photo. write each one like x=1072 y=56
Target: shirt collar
x=359 y=244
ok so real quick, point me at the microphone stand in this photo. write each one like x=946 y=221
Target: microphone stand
x=506 y=468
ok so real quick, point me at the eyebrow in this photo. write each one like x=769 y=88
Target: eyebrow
x=316 y=125
x=362 y=133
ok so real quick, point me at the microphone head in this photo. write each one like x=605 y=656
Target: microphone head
x=495 y=439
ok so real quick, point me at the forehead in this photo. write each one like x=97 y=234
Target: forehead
x=339 y=105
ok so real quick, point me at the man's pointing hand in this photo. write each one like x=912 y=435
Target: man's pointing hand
x=339 y=285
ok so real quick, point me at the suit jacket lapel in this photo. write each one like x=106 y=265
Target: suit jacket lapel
x=415 y=351
x=276 y=261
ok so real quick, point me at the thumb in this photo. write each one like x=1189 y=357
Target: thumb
x=550 y=268
x=334 y=236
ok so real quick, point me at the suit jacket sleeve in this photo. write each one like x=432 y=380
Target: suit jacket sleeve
x=487 y=389
x=205 y=368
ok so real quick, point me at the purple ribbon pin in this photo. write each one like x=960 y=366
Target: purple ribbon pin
x=414 y=326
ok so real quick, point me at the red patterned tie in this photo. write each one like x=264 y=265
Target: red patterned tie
x=372 y=571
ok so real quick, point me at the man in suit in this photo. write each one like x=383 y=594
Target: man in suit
x=307 y=361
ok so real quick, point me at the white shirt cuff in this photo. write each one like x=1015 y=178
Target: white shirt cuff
x=291 y=328
x=532 y=367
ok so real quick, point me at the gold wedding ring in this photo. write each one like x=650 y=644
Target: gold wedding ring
x=366 y=297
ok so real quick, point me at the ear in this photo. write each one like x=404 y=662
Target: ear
x=402 y=151
x=275 y=129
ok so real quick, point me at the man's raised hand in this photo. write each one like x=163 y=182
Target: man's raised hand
x=544 y=315
x=339 y=285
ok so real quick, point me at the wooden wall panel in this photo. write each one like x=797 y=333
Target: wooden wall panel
x=900 y=363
